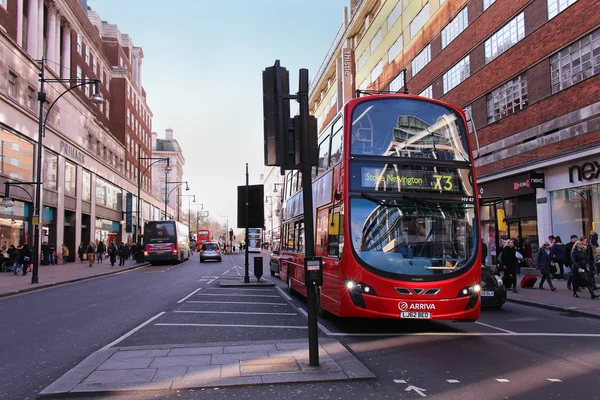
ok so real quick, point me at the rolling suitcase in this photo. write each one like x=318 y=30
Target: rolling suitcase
x=528 y=281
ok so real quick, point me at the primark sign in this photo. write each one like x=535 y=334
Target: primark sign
x=72 y=152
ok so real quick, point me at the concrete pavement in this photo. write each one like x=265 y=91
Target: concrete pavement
x=51 y=275
x=172 y=367
x=559 y=300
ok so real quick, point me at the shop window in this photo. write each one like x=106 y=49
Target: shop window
x=575 y=211
x=50 y=171
x=70 y=179
x=16 y=157
x=86 y=183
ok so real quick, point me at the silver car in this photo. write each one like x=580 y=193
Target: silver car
x=210 y=251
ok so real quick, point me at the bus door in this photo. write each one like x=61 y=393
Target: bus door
x=494 y=229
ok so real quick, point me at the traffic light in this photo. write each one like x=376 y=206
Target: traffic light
x=276 y=114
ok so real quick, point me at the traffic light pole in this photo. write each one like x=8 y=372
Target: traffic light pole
x=246 y=273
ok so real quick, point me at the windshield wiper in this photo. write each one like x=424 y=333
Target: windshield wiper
x=404 y=196
x=376 y=200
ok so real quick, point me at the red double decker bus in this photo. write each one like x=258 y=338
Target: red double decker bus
x=396 y=213
x=202 y=236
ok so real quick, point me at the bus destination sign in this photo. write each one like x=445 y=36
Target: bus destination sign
x=389 y=179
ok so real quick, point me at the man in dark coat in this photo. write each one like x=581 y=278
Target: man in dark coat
x=509 y=264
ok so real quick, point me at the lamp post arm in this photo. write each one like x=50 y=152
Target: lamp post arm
x=85 y=82
x=16 y=184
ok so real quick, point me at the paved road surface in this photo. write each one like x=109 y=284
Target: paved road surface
x=517 y=352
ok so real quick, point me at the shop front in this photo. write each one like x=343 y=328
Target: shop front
x=573 y=195
x=509 y=211
x=107 y=231
x=14 y=225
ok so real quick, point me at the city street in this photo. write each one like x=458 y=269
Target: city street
x=516 y=352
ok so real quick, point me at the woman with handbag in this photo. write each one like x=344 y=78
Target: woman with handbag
x=558 y=253
x=579 y=259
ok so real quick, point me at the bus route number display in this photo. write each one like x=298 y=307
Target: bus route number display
x=313 y=271
x=390 y=179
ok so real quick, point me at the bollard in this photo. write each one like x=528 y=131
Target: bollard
x=258 y=267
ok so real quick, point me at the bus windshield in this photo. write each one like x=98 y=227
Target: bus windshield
x=404 y=237
x=412 y=128
x=160 y=232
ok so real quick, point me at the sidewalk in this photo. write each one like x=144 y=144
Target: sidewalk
x=191 y=366
x=560 y=300
x=50 y=275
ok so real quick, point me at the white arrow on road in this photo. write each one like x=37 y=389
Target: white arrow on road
x=417 y=390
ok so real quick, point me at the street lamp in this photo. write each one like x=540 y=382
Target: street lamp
x=179 y=183
x=96 y=98
x=139 y=186
x=271 y=214
x=189 y=206
x=226 y=228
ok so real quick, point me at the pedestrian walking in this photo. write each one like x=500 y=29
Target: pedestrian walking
x=91 y=251
x=558 y=252
x=13 y=256
x=81 y=251
x=580 y=269
x=112 y=253
x=509 y=264
x=65 y=254
x=25 y=258
x=123 y=254
x=101 y=249
x=568 y=260
x=544 y=264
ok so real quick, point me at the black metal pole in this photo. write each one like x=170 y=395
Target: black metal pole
x=246 y=273
x=38 y=187
x=309 y=233
x=166 y=193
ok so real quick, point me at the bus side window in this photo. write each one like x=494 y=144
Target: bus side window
x=322 y=229
x=300 y=231
x=336 y=148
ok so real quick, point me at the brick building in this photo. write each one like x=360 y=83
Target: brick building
x=171 y=192
x=528 y=73
x=89 y=151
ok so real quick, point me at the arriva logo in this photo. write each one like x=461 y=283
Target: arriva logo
x=403 y=306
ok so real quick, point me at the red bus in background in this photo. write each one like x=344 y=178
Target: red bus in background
x=396 y=213
x=202 y=236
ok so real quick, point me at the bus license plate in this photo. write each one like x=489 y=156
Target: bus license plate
x=415 y=315
x=487 y=293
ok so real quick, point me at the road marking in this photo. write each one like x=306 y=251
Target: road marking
x=234 y=326
x=240 y=290
x=399 y=381
x=465 y=334
x=236 y=302
x=452 y=381
x=321 y=327
x=503 y=380
x=240 y=295
x=417 y=390
x=493 y=327
x=131 y=332
x=233 y=312
x=554 y=380
x=212 y=280
x=129 y=270
x=284 y=294
x=188 y=296
x=209 y=277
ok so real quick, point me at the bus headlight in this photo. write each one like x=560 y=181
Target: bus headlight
x=470 y=290
x=145 y=254
x=359 y=287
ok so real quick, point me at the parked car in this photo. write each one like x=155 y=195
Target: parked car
x=210 y=251
x=274 y=258
x=493 y=291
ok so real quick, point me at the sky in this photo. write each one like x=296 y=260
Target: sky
x=202 y=72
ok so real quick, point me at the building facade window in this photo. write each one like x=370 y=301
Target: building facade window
x=31 y=93
x=12 y=84
x=555 y=7
x=376 y=72
x=107 y=108
x=375 y=41
x=420 y=20
x=87 y=54
x=86 y=186
x=507 y=99
x=458 y=73
x=576 y=62
x=50 y=172
x=79 y=43
x=108 y=195
x=86 y=88
x=361 y=60
x=70 y=179
x=428 y=92
x=505 y=38
x=421 y=60
x=394 y=15
x=487 y=4
x=455 y=27
x=395 y=49
x=79 y=74
x=13 y=147
x=95 y=64
x=397 y=83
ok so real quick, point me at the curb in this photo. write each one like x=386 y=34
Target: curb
x=47 y=285
x=554 y=308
